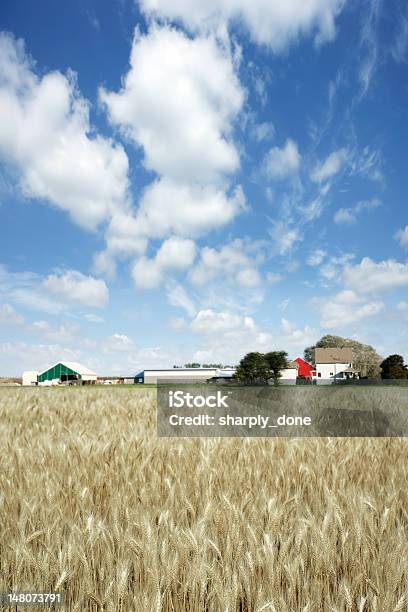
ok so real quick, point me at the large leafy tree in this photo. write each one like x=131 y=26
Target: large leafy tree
x=253 y=369
x=365 y=357
x=260 y=368
x=277 y=361
x=394 y=367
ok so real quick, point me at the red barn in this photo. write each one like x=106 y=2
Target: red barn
x=306 y=370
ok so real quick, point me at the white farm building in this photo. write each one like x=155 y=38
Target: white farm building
x=30 y=378
x=59 y=373
x=334 y=364
x=289 y=375
x=183 y=375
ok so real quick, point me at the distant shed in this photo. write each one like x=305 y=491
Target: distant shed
x=29 y=378
x=289 y=374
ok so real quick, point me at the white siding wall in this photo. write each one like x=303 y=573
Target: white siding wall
x=151 y=376
x=30 y=378
x=89 y=377
x=289 y=374
x=329 y=370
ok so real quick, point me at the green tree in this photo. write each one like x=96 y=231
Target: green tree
x=192 y=365
x=277 y=361
x=394 y=367
x=253 y=369
x=365 y=357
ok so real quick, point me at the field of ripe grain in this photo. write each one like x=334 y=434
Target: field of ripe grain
x=92 y=504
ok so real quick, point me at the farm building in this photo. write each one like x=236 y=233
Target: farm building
x=289 y=375
x=306 y=370
x=183 y=375
x=29 y=378
x=334 y=364
x=66 y=372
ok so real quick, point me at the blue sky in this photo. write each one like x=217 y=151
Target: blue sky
x=186 y=180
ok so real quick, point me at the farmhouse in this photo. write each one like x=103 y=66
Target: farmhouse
x=183 y=375
x=61 y=372
x=334 y=364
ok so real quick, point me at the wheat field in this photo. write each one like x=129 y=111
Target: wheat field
x=93 y=505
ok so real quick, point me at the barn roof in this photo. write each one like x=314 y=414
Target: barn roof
x=73 y=365
x=299 y=360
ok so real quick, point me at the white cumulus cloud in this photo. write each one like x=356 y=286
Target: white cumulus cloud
x=185 y=209
x=49 y=140
x=211 y=322
x=74 y=286
x=235 y=261
x=177 y=102
x=345 y=308
x=370 y=277
x=248 y=277
x=175 y=253
x=282 y=162
x=274 y=23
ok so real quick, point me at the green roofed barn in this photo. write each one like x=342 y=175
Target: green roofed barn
x=67 y=372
